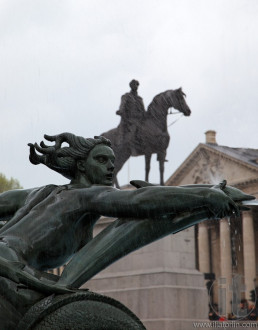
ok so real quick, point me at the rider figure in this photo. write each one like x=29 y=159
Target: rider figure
x=132 y=110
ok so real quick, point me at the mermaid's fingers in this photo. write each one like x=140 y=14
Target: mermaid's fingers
x=43 y=145
x=50 y=137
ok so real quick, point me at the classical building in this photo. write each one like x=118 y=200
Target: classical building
x=226 y=249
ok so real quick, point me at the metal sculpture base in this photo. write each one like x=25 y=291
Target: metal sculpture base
x=90 y=310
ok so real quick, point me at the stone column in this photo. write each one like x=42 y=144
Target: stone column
x=215 y=256
x=225 y=280
x=249 y=253
x=203 y=248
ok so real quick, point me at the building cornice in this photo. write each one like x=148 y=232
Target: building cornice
x=201 y=149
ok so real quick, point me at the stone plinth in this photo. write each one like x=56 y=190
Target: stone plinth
x=159 y=283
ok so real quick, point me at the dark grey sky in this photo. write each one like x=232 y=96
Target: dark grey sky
x=65 y=65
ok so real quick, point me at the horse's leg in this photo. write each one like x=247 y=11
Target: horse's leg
x=161 y=171
x=147 y=166
x=161 y=159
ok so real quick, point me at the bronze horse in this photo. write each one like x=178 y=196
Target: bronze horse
x=151 y=137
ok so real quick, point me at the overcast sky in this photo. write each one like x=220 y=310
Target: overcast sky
x=65 y=65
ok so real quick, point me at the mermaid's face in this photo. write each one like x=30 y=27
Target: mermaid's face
x=99 y=165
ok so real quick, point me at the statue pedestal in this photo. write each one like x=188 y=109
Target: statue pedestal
x=159 y=283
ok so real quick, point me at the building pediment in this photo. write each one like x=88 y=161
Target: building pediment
x=209 y=165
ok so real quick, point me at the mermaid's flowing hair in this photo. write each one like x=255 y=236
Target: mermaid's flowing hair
x=63 y=159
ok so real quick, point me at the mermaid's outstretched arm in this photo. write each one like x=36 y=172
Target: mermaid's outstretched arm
x=155 y=202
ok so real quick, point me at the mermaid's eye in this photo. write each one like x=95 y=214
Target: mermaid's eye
x=102 y=159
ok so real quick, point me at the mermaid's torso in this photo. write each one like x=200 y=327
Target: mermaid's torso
x=52 y=230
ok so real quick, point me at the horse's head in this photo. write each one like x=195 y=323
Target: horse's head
x=176 y=99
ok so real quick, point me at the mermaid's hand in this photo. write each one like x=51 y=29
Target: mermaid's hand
x=221 y=205
x=235 y=194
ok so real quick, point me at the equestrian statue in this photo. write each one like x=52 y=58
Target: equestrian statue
x=143 y=132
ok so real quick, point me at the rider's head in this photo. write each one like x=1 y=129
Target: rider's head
x=134 y=84
x=82 y=158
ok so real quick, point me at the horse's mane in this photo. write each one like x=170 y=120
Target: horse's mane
x=159 y=99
